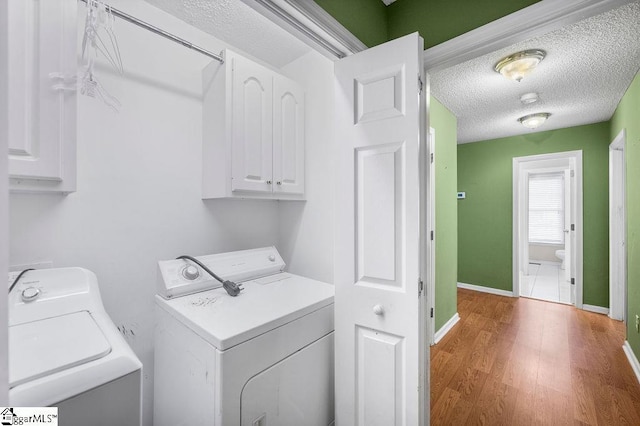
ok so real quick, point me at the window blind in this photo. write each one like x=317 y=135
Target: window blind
x=546 y=208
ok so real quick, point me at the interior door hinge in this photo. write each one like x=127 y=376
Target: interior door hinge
x=431 y=235
x=420 y=84
x=432 y=157
x=420 y=286
x=573 y=226
x=431 y=312
x=573 y=281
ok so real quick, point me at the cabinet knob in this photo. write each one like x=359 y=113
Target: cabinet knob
x=279 y=182
x=378 y=310
x=268 y=182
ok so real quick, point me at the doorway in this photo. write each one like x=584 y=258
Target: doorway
x=547 y=227
x=617 y=230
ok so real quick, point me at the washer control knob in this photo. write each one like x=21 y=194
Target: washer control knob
x=190 y=272
x=30 y=293
x=272 y=257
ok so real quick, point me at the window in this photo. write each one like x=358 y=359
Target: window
x=546 y=208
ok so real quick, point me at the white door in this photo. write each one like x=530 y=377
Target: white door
x=288 y=136
x=381 y=326
x=252 y=91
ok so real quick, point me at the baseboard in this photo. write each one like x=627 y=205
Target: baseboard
x=596 y=309
x=484 y=289
x=545 y=262
x=445 y=328
x=635 y=365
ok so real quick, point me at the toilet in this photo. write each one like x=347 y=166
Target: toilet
x=560 y=255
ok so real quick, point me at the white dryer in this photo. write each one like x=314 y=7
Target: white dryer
x=262 y=358
x=65 y=351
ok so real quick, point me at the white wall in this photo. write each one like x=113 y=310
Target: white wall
x=138 y=198
x=546 y=252
x=306 y=228
x=4 y=209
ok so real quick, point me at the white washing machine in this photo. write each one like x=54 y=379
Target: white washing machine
x=264 y=357
x=65 y=352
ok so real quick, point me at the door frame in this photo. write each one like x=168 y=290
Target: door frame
x=617 y=241
x=520 y=222
x=4 y=201
x=431 y=227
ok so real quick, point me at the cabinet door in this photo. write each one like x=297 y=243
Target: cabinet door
x=252 y=92
x=288 y=136
x=42 y=70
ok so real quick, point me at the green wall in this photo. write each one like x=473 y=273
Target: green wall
x=440 y=20
x=366 y=19
x=436 y=20
x=485 y=216
x=446 y=162
x=627 y=116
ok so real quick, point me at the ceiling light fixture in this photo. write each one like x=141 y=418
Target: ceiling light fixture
x=520 y=64
x=529 y=98
x=533 y=121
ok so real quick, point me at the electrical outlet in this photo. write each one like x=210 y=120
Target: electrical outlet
x=638 y=323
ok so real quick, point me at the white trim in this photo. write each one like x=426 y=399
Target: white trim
x=446 y=328
x=520 y=166
x=535 y=20
x=431 y=226
x=633 y=360
x=545 y=262
x=597 y=309
x=617 y=245
x=484 y=289
x=308 y=22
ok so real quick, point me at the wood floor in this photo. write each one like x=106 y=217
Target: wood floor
x=518 y=361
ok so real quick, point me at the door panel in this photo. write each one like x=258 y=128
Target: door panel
x=381 y=361
x=251 y=126
x=379 y=208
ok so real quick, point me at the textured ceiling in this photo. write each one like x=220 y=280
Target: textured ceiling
x=588 y=67
x=239 y=25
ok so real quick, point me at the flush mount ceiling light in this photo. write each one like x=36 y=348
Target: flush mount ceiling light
x=533 y=121
x=529 y=98
x=520 y=64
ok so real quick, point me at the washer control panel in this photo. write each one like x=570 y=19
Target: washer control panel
x=179 y=277
x=190 y=272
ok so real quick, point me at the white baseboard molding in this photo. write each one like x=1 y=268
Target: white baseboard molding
x=445 y=328
x=484 y=289
x=596 y=309
x=635 y=365
x=545 y=262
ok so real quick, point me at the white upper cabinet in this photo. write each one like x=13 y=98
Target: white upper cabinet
x=43 y=99
x=253 y=132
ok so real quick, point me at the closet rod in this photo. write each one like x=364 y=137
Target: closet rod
x=161 y=32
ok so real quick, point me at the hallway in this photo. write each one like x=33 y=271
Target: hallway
x=519 y=361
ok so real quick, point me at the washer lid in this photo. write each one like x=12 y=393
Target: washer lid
x=44 y=347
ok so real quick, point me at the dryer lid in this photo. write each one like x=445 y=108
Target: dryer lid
x=44 y=347
x=265 y=304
